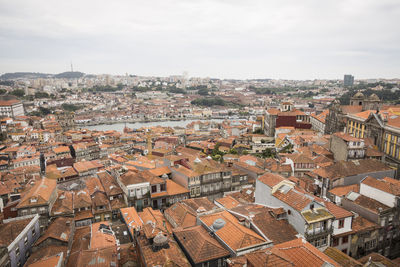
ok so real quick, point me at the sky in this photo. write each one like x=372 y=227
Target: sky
x=242 y=39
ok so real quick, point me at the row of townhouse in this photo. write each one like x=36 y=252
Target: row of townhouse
x=367 y=220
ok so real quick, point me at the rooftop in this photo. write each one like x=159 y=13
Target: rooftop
x=200 y=246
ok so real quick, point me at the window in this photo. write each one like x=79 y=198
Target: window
x=335 y=242
x=17 y=251
x=33 y=232
x=26 y=240
x=341 y=223
x=163 y=187
x=320 y=242
x=153 y=188
x=289 y=212
x=345 y=239
x=344 y=251
x=370 y=244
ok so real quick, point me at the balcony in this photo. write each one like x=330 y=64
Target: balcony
x=316 y=233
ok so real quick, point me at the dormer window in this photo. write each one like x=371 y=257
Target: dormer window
x=33 y=200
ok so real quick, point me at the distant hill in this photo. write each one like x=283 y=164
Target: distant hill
x=35 y=75
x=26 y=75
x=70 y=75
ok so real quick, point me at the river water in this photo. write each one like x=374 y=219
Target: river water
x=120 y=126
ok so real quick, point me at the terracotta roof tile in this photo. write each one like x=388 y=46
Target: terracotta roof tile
x=301 y=253
x=41 y=192
x=181 y=215
x=387 y=185
x=235 y=235
x=337 y=211
x=377 y=258
x=341 y=258
x=271 y=179
x=344 y=190
x=200 y=245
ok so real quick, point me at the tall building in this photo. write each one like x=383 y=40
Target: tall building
x=11 y=108
x=348 y=80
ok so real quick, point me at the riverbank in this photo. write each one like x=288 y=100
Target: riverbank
x=110 y=122
x=119 y=126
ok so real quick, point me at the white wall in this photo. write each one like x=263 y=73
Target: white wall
x=346 y=228
x=379 y=195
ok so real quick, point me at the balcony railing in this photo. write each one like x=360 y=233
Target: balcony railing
x=318 y=232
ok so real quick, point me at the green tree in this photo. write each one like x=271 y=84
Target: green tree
x=18 y=92
x=203 y=91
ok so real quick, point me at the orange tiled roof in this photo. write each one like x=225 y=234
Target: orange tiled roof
x=39 y=194
x=271 y=179
x=200 y=246
x=235 y=235
x=337 y=211
x=301 y=253
x=181 y=215
x=344 y=190
x=175 y=188
x=228 y=202
x=132 y=219
x=48 y=261
x=387 y=185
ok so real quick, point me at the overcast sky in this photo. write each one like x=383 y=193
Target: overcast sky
x=279 y=39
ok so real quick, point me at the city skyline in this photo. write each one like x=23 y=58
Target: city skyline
x=221 y=39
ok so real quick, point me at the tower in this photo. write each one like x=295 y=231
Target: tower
x=348 y=80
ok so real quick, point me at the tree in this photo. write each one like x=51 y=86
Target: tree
x=41 y=95
x=203 y=91
x=258 y=131
x=70 y=107
x=18 y=92
x=233 y=151
x=268 y=153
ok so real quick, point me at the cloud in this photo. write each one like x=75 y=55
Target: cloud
x=217 y=38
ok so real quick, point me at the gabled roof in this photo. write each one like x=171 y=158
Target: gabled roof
x=132 y=219
x=367 y=202
x=267 y=221
x=39 y=194
x=181 y=215
x=50 y=261
x=9 y=231
x=342 y=169
x=235 y=235
x=377 y=258
x=337 y=211
x=228 y=202
x=341 y=191
x=341 y=258
x=271 y=179
x=301 y=253
x=110 y=185
x=200 y=246
x=131 y=177
x=388 y=185
x=63 y=204
x=293 y=198
x=59 y=229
